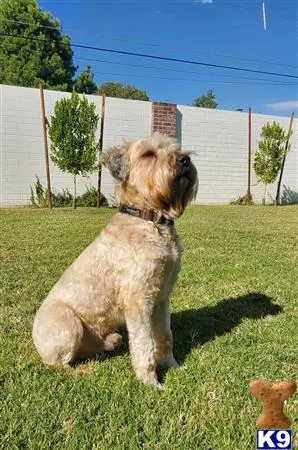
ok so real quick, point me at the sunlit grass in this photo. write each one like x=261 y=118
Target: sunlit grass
x=235 y=318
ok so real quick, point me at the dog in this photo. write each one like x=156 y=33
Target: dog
x=127 y=274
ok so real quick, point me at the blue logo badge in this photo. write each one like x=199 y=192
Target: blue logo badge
x=274 y=439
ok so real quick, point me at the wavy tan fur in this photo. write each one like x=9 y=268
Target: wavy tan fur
x=127 y=274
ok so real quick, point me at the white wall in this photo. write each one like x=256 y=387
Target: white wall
x=21 y=141
x=124 y=119
x=218 y=138
x=22 y=148
x=220 y=142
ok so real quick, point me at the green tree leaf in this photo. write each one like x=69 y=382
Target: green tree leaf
x=45 y=56
x=115 y=89
x=206 y=100
x=84 y=83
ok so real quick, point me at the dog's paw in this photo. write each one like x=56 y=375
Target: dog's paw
x=149 y=378
x=154 y=383
x=159 y=386
x=112 y=341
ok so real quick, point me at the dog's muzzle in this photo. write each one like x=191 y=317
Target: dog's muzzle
x=183 y=166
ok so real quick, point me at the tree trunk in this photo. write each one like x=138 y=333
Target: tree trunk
x=74 y=201
x=265 y=192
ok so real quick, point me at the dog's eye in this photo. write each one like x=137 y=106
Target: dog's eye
x=149 y=154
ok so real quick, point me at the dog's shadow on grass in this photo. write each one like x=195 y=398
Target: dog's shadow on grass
x=195 y=327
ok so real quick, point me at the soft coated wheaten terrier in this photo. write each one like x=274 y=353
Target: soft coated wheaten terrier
x=127 y=274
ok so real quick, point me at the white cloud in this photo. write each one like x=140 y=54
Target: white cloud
x=283 y=106
x=204 y=2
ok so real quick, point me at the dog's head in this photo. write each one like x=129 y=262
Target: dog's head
x=152 y=173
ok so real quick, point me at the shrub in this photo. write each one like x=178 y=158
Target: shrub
x=242 y=200
x=38 y=197
x=38 y=194
x=89 y=198
x=62 y=199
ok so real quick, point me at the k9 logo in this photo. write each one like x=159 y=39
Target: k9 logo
x=274 y=439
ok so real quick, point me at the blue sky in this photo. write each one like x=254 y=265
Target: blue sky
x=211 y=31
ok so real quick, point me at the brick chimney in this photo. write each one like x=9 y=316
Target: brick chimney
x=164 y=118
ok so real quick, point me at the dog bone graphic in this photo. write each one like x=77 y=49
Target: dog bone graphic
x=273 y=396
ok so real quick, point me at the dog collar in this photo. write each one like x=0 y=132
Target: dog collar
x=146 y=214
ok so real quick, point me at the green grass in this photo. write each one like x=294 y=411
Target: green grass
x=235 y=318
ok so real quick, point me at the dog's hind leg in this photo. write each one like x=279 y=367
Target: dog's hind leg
x=57 y=334
x=93 y=343
x=112 y=341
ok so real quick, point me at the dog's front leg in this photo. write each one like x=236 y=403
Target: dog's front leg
x=141 y=342
x=163 y=335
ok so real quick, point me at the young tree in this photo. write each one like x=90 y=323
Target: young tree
x=72 y=132
x=84 y=83
x=269 y=156
x=206 y=100
x=29 y=53
x=115 y=89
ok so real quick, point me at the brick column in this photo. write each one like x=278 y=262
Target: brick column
x=164 y=118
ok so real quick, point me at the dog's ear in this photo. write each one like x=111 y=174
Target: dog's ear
x=116 y=161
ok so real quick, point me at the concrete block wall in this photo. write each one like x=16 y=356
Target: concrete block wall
x=219 y=140
x=22 y=148
x=219 y=147
x=124 y=119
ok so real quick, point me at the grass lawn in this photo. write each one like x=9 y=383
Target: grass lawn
x=235 y=318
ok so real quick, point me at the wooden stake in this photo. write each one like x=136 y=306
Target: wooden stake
x=45 y=140
x=102 y=122
x=249 y=196
x=277 y=199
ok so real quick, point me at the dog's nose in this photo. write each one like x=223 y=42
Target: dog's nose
x=184 y=159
